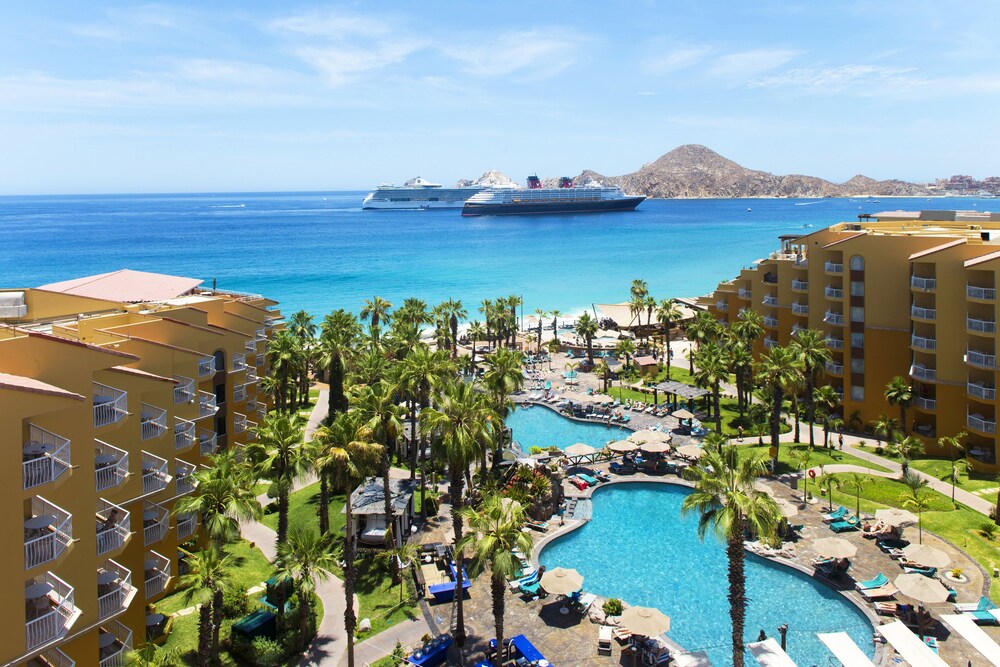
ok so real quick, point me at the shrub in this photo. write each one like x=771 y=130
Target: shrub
x=237 y=604
x=988 y=529
x=956 y=572
x=267 y=652
x=613 y=607
x=535 y=449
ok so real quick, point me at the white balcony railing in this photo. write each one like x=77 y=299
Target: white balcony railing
x=833 y=292
x=115 y=644
x=239 y=422
x=918 y=282
x=834 y=343
x=239 y=362
x=54 y=657
x=206 y=367
x=831 y=317
x=186 y=525
x=981 y=293
x=110 y=465
x=743 y=293
x=157 y=571
x=833 y=267
x=983 y=391
x=923 y=313
x=981 y=424
x=208 y=440
x=251 y=375
x=981 y=359
x=113 y=526
x=155 y=474
x=770 y=300
x=155 y=521
x=800 y=285
x=250 y=347
x=45 y=457
x=834 y=368
x=153 y=422
x=184 y=389
x=110 y=405
x=47 y=534
x=722 y=305
x=207 y=405
x=770 y=342
x=261 y=333
x=981 y=326
x=923 y=372
x=239 y=393
x=50 y=609
x=770 y=322
x=261 y=360
x=114 y=589
x=923 y=343
x=184 y=433
x=800 y=308
x=186 y=482
x=925 y=403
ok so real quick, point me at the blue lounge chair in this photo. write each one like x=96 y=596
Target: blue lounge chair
x=836 y=515
x=983 y=613
x=926 y=571
x=622 y=468
x=591 y=481
x=852 y=523
x=530 y=590
x=879 y=580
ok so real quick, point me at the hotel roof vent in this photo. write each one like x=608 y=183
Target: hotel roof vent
x=12 y=305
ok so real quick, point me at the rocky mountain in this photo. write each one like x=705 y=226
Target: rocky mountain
x=491 y=178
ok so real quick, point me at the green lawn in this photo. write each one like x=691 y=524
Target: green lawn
x=787 y=461
x=941 y=469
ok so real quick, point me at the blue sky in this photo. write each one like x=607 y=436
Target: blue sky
x=239 y=96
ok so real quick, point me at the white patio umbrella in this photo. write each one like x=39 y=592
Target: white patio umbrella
x=580 y=449
x=896 y=517
x=926 y=556
x=623 y=446
x=834 y=547
x=650 y=436
x=654 y=447
x=561 y=581
x=691 y=451
x=682 y=414
x=921 y=588
x=645 y=621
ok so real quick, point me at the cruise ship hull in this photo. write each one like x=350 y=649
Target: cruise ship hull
x=411 y=205
x=552 y=208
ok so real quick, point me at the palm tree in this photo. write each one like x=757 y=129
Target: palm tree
x=458 y=425
x=426 y=371
x=955 y=445
x=285 y=358
x=626 y=348
x=208 y=577
x=915 y=500
x=399 y=558
x=741 y=363
x=884 y=427
x=378 y=407
x=502 y=378
x=603 y=371
x=302 y=327
x=825 y=399
x=455 y=312
x=486 y=308
x=225 y=497
x=308 y=558
x=906 y=449
x=339 y=334
x=513 y=301
x=280 y=456
x=540 y=314
x=586 y=328
x=778 y=369
x=713 y=370
x=831 y=482
x=857 y=481
x=376 y=310
x=728 y=504
x=899 y=392
x=668 y=314
x=555 y=323
x=494 y=536
x=802 y=458
x=810 y=347
x=702 y=329
x=477 y=332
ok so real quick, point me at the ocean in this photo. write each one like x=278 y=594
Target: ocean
x=318 y=251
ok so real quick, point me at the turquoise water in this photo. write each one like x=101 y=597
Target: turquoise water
x=540 y=427
x=319 y=251
x=639 y=548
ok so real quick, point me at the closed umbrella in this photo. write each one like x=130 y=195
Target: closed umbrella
x=683 y=414
x=926 y=556
x=834 y=547
x=645 y=621
x=623 y=446
x=691 y=451
x=561 y=581
x=896 y=517
x=580 y=449
x=921 y=588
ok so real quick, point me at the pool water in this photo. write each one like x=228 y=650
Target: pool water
x=639 y=548
x=541 y=427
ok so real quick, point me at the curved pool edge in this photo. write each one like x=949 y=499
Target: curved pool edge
x=881 y=655
x=541 y=404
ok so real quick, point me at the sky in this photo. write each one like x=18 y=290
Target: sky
x=258 y=96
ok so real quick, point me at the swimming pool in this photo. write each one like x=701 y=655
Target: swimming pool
x=639 y=548
x=541 y=427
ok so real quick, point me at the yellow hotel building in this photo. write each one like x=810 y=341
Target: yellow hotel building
x=897 y=293
x=114 y=388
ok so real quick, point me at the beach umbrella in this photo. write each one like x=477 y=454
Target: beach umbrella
x=645 y=621
x=623 y=446
x=682 y=414
x=655 y=447
x=896 y=517
x=561 y=581
x=788 y=510
x=650 y=436
x=580 y=449
x=926 y=556
x=691 y=451
x=602 y=398
x=921 y=588
x=834 y=547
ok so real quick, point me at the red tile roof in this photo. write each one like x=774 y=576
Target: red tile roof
x=127 y=286
x=31 y=385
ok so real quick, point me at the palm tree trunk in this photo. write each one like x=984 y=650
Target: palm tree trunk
x=350 y=573
x=205 y=634
x=498 y=586
x=737 y=588
x=413 y=439
x=336 y=399
x=217 y=602
x=795 y=411
x=305 y=611
x=810 y=407
x=902 y=418
x=718 y=413
x=776 y=397
x=282 y=513
x=473 y=364
x=324 y=503
x=455 y=490
x=389 y=517
x=454 y=337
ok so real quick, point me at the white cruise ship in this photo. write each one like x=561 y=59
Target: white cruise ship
x=535 y=199
x=418 y=193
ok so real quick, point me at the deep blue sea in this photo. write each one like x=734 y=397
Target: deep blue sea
x=319 y=251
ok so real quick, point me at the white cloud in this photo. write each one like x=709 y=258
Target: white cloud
x=333 y=26
x=535 y=53
x=680 y=58
x=751 y=63
x=840 y=78
x=233 y=72
x=341 y=65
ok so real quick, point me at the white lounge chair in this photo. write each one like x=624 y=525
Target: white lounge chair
x=604 y=635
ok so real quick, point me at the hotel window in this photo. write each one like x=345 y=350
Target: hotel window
x=857 y=263
x=857 y=365
x=857 y=314
x=857 y=393
x=857 y=340
x=857 y=288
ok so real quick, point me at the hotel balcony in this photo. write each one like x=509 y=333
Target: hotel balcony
x=206 y=367
x=155 y=521
x=924 y=284
x=833 y=292
x=114 y=589
x=722 y=305
x=153 y=422
x=186 y=482
x=261 y=333
x=980 y=293
x=834 y=368
x=113 y=527
x=45 y=457
x=981 y=391
x=922 y=343
x=155 y=474
x=770 y=322
x=52 y=658
x=980 y=359
x=743 y=293
x=184 y=389
x=833 y=267
x=250 y=347
x=50 y=609
x=918 y=313
x=207 y=407
x=48 y=532
x=239 y=362
x=114 y=644
x=796 y=328
x=926 y=404
x=800 y=308
x=834 y=343
x=184 y=433
x=770 y=278
x=251 y=433
x=239 y=422
x=208 y=440
x=110 y=465
x=239 y=393
x=186 y=525
x=110 y=405
x=980 y=326
x=831 y=317
x=921 y=372
x=770 y=342
x=157 y=571
x=252 y=375
x=770 y=300
x=979 y=423
x=262 y=359
x=800 y=285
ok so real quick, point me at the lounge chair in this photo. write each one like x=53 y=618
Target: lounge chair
x=982 y=604
x=836 y=515
x=530 y=590
x=604 y=635
x=540 y=526
x=853 y=523
x=983 y=613
x=881 y=592
x=926 y=571
x=591 y=481
x=577 y=482
x=876 y=582
x=583 y=603
x=622 y=468
x=890 y=608
x=932 y=643
x=524 y=581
